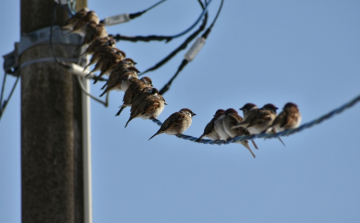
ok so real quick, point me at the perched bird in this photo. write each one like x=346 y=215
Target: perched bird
x=289 y=118
x=219 y=127
x=122 y=83
x=263 y=119
x=231 y=119
x=134 y=90
x=98 y=42
x=120 y=68
x=148 y=106
x=209 y=130
x=79 y=27
x=176 y=123
x=93 y=31
x=249 y=110
x=100 y=52
x=108 y=62
x=71 y=22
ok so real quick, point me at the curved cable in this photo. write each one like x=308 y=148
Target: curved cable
x=160 y=38
x=182 y=46
x=186 y=61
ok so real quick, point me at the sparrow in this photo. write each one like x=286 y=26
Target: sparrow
x=71 y=22
x=98 y=54
x=122 y=82
x=176 y=123
x=120 y=68
x=219 y=128
x=209 y=130
x=93 y=31
x=98 y=42
x=134 y=90
x=263 y=119
x=108 y=63
x=148 y=106
x=289 y=118
x=80 y=26
x=249 y=110
x=231 y=119
x=106 y=60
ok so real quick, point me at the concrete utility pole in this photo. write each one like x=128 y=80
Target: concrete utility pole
x=51 y=126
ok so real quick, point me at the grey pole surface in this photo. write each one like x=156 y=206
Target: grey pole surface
x=51 y=126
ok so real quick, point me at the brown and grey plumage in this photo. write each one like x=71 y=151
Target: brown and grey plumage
x=98 y=42
x=134 y=90
x=209 y=130
x=71 y=22
x=122 y=82
x=176 y=123
x=120 y=68
x=230 y=120
x=148 y=106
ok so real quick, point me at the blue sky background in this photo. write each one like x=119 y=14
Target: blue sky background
x=306 y=52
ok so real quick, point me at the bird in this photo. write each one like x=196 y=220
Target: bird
x=148 y=106
x=134 y=90
x=209 y=130
x=122 y=82
x=232 y=118
x=249 y=110
x=219 y=128
x=289 y=118
x=117 y=71
x=259 y=122
x=93 y=31
x=108 y=62
x=72 y=21
x=99 y=53
x=79 y=27
x=98 y=42
x=176 y=123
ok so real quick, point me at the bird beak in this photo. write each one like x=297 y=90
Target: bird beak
x=193 y=114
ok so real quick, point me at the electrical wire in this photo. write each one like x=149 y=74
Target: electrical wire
x=4 y=104
x=182 y=46
x=185 y=61
x=119 y=37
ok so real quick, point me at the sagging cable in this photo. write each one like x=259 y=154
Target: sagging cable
x=182 y=46
x=192 y=52
x=119 y=37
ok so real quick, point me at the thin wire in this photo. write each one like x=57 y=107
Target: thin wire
x=181 y=47
x=160 y=38
x=269 y=136
x=3 y=105
x=185 y=61
x=2 y=89
x=105 y=103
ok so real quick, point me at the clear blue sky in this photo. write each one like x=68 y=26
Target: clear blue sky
x=306 y=52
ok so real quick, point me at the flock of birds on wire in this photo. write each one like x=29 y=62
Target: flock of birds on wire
x=146 y=102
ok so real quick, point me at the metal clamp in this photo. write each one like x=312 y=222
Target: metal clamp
x=41 y=36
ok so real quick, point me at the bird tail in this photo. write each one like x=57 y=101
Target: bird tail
x=154 y=134
x=245 y=143
x=281 y=141
x=105 y=91
x=119 y=112
x=253 y=142
x=200 y=138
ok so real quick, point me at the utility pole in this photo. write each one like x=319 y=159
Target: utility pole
x=51 y=125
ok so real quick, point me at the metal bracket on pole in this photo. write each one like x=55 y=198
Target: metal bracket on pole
x=11 y=60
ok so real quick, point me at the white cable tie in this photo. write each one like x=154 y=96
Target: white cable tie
x=195 y=48
x=116 y=19
x=79 y=70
